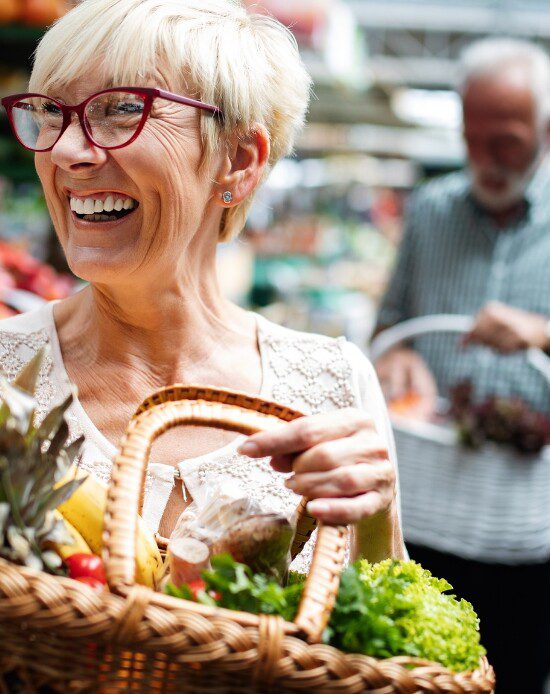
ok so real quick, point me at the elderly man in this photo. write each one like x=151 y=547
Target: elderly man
x=478 y=243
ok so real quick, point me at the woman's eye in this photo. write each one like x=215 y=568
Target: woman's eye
x=51 y=109
x=127 y=107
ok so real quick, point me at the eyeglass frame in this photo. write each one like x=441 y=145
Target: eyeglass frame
x=148 y=93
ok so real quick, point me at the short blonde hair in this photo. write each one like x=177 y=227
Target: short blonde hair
x=246 y=64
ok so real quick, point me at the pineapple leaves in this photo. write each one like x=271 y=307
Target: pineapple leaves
x=17 y=407
x=27 y=378
x=34 y=466
x=49 y=428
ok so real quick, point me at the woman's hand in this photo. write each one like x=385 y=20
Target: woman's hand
x=339 y=462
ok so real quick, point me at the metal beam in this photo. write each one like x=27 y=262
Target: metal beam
x=481 y=17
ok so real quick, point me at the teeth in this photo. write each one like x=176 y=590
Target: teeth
x=90 y=206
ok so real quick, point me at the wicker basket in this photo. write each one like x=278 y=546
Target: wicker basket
x=59 y=633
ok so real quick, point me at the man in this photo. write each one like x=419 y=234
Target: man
x=478 y=243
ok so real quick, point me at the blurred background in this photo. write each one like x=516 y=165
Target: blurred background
x=323 y=232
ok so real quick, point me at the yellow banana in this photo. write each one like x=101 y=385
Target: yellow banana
x=79 y=543
x=85 y=510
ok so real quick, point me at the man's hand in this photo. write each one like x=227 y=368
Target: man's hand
x=508 y=329
x=402 y=371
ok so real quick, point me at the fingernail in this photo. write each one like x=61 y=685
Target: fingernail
x=290 y=482
x=249 y=448
x=318 y=507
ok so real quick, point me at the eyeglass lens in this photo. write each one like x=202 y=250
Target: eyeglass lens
x=112 y=119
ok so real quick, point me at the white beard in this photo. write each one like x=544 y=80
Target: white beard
x=514 y=191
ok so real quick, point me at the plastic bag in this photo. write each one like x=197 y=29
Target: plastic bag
x=224 y=520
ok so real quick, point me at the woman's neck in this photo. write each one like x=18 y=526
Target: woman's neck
x=173 y=330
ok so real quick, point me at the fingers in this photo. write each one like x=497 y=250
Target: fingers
x=304 y=433
x=348 y=481
x=348 y=511
x=364 y=447
x=491 y=333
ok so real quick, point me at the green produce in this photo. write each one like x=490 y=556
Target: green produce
x=236 y=587
x=399 y=608
x=382 y=610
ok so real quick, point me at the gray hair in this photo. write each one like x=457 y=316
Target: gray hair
x=491 y=56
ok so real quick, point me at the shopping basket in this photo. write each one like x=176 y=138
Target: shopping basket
x=59 y=633
x=433 y=452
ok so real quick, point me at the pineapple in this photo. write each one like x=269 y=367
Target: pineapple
x=33 y=460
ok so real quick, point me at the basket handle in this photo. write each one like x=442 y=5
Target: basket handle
x=443 y=323
x=233 y=412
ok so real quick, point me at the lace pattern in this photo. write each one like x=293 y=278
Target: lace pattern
x=307 y=372
x=16 y=350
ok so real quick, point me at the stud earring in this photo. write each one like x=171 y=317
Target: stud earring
x=227 y=197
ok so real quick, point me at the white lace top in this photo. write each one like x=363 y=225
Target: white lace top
x=310 y=373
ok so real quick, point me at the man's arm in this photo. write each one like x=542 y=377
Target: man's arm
x=402 y=370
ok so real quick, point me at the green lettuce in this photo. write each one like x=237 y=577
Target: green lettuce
x=382 y=610
x=399 y=608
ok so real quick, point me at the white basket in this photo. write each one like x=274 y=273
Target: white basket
x=430 y=452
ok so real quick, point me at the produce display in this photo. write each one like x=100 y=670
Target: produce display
x=19 y=270
x=51 y=513
x=382 y=610
x=38 y=13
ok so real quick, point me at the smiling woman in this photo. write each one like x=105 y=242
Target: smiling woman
x=153 y=123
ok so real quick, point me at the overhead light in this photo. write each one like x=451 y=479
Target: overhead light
x=430 y=108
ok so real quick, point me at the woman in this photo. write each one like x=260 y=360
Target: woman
x=141 y=185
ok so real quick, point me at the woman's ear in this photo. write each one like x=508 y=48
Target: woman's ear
x=243 y=167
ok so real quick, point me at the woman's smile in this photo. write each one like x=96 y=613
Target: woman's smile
x=100 y=209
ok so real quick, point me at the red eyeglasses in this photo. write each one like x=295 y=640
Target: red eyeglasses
x=110 y=119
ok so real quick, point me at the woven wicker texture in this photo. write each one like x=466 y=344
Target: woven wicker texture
x=59 y=633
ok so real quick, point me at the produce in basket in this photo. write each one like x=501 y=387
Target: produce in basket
x=85 y=511
x=33 y=460
x=49 y=510
x=393 y=608
x=503 y=420
x=222 y=520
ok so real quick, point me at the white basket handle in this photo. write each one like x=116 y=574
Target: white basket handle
x=443 y=323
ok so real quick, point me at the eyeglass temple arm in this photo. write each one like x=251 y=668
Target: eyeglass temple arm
x=214 y=110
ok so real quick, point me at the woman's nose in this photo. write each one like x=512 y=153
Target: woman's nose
x=73 y=150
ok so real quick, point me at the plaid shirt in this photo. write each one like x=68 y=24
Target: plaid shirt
x=454 y=259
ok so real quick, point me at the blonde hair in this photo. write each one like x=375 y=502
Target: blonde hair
x=246 y=64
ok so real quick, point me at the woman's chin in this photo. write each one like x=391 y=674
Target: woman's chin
x=97 y=266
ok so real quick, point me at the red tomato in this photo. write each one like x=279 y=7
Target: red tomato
x=98 y=586
x=87 y=566
x=196 y=587
x=215 y=595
